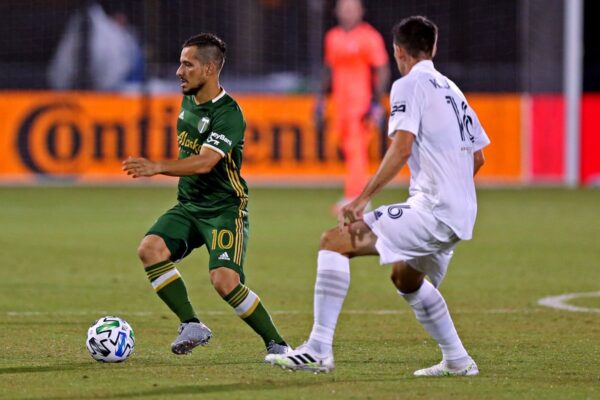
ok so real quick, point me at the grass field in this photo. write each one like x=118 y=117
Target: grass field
x=69 y=258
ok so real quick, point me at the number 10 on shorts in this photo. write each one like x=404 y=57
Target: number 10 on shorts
x=222 y=238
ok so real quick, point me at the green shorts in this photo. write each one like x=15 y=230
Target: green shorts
x=225 y=236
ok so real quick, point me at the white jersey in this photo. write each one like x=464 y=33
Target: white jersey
x=447 y=133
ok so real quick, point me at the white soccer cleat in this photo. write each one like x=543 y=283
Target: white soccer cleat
x=442 y=369
x=303 y=358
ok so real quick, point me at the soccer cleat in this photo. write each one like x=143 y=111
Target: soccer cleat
x=442 y=369
x=303 y=358
x=276 y=348
x=191 y=334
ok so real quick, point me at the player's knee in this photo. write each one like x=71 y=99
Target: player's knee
x=396 y=279
x=221 y=287
x=404 y=285
x=328 y=240
x=405 y=279
x=224 y=280
x=153 y=250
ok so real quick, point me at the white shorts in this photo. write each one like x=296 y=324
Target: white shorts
x=406 y=233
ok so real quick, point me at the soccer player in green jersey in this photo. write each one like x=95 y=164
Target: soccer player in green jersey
x=212 y=198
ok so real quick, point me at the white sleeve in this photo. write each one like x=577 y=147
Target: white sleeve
x=480 y=138
x=405 y=107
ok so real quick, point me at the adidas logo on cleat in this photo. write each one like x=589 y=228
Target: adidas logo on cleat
x=224 y=256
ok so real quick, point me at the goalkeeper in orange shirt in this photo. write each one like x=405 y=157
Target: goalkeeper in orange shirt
x=357 y=72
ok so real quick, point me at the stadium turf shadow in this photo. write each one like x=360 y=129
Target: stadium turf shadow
x=42 y=368
x=257 y=386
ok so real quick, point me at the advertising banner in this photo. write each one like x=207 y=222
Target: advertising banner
x=83 y=137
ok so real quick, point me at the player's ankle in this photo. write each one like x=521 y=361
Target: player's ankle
x=458 y=363
x=320 y=348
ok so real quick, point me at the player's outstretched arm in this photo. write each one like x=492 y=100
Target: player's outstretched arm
x=193 y=165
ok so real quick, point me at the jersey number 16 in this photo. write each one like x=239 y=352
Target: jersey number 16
x=465 y=121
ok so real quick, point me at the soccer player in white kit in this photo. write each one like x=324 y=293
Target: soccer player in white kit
x=434 y=129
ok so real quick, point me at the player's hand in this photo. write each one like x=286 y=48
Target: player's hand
x=140 y=167
x=352 y=212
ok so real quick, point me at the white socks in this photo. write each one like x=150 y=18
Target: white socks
x=331 y=287
x=431 y=311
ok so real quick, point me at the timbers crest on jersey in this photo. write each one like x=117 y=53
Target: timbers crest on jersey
x=203 y=124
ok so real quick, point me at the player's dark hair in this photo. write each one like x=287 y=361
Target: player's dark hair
x=212 y=48
x=416 y=35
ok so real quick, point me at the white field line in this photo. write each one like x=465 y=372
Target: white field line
x=560 y=302
x=275 y=312
x=556 y=302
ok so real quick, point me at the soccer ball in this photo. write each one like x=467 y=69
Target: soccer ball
x=110 y=339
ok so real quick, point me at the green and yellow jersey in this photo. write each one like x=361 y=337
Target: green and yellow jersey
x=219 y=125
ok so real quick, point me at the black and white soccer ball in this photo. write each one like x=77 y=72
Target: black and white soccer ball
x=110 y=339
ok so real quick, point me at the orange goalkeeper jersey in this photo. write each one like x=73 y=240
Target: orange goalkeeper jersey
x=351 y=55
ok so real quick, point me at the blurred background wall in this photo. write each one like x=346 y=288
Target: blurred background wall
x=117 y=93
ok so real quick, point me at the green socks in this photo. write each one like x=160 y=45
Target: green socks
x=169 y=286
x=247 y=306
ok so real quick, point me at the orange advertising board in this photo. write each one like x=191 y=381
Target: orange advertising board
x=82 y=135
x=85 y=136
x=501 y=117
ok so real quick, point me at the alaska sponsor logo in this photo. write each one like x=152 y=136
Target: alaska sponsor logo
x=186 y=143
x=216 y=139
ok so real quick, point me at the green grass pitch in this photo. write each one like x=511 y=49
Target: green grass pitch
x=69 y=256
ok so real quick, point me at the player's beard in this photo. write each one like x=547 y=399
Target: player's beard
x=193 y=90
